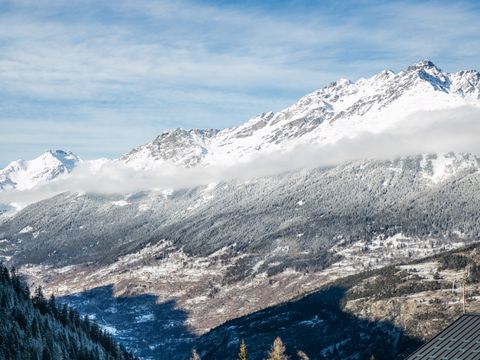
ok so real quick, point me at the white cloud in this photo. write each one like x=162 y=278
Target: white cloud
x=423 y=132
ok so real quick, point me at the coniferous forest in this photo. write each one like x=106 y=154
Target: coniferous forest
x=35 y=328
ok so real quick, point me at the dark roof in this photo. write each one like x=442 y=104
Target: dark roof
x=459 y=341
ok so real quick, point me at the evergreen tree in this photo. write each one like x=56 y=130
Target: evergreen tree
x=302 y=356
x=52 y=306
x=336 y=353
x=194 y=355
x=39 y=300
x=278 y=350
x=242 y=354
x=34 y=328
x=64 y=314
x=46 y=355
x=3 y=301
x=13 y=343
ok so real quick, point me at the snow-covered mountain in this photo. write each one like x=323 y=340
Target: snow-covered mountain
x=340 y=110
x=25 y=174
x=185 y=147
x=343 y=109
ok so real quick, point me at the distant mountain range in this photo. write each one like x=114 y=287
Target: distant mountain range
x=341 y=110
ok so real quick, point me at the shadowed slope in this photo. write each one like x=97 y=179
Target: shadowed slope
x=315 y=324
x=151 y=330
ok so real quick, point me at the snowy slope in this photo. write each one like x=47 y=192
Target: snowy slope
x=25 y=174
x=340 y=110
x=439 y=167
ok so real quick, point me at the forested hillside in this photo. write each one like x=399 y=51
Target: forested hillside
x=227 y=250
x=308 y=211
x=34 y=328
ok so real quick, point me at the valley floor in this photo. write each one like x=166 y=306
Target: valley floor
x=152 y=301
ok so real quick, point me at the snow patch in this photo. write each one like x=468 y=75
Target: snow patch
x=144 y=318
x=120 y=203
x=26 y=229
x=109 y=329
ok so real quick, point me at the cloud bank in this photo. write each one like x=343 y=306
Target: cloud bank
x=423 y=132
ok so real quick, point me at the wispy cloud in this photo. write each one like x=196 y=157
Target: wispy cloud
x=197 y=64
x=423 y=132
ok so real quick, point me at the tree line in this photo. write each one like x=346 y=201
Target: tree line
x=33 y=327
x=278 y=351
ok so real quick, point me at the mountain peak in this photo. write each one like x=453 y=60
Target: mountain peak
x=423 y=64
x=25 y=174
x=66 y=158
x=184 y=132
x=179 y=146
x=342 y=82
x=428 y=72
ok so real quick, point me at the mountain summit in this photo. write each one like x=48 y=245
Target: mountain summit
x=25 y=174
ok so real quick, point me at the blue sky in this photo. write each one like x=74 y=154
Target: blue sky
x=100 y=77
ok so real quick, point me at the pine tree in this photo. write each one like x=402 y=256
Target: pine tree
x=13 y=343
x=4 y=301
x=4 y=274
x=34 y=328
x=278 y=350
x=336 y=353
x=46 y=355
x=64 y=314
x=302 y=356
x=242 y=354
x=52 y=305
x=39 y=300
x=194 y=355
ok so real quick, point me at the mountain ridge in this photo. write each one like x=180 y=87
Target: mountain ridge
x=318 y=116
x=340 y=110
